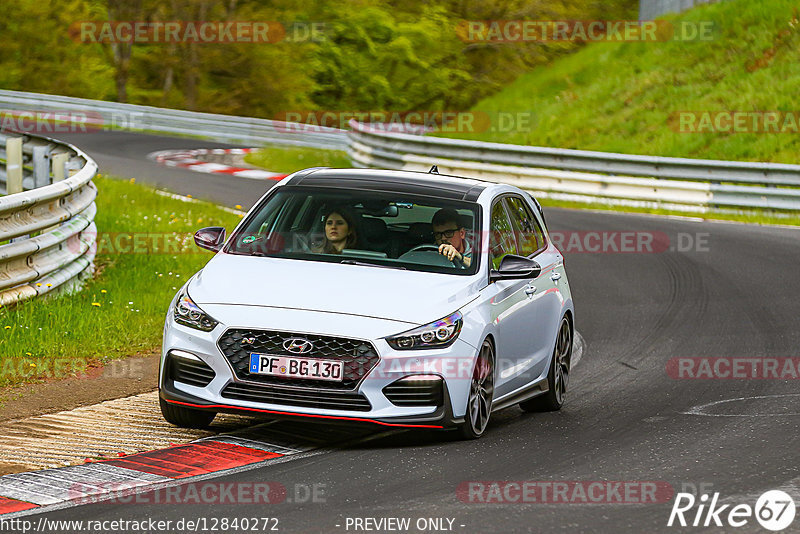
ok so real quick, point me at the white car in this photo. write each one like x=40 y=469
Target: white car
x=333 y=299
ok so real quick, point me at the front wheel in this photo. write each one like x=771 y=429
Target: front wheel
x=185 y=417
x=481 y=392
x=557 y=376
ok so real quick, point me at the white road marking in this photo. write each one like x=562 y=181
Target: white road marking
x=700 y=410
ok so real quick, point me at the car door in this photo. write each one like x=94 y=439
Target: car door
x=546 y=298
x=509 y=305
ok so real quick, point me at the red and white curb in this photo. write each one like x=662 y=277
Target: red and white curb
x=197 y=160
x=124 y=474
x=39 y=491
x=26 y=491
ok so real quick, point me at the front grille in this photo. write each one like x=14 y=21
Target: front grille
x=194 y=373
x=331 y=400
x=411 y=392
x=359 y=357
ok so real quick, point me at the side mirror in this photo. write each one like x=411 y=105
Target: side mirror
x=513 y=267
x=211 y=238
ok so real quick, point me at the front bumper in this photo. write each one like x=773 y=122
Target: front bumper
x=441 y=418
x=453 y=364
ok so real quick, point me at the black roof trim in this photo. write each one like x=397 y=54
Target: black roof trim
x=391 y=181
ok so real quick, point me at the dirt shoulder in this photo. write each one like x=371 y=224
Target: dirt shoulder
x=120 y=378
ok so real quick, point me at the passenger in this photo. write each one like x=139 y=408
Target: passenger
x=340 y=231
x=450 y=235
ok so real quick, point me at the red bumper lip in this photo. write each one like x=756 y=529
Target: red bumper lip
x=294 y=414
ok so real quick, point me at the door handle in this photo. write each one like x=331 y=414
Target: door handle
x=530 y=290
x=555 y=276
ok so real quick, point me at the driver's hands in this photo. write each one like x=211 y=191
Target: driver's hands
x=449 y=251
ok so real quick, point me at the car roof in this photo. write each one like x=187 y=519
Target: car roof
x=418 y=183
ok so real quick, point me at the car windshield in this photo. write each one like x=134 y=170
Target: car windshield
x=363 y=228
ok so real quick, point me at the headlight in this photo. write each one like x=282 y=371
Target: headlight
x=187 y=313
x=436 y=335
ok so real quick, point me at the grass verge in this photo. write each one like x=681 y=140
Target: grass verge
x=291 y=159
x=145 y=253
x=630 y=97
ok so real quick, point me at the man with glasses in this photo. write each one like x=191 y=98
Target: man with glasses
x=450 y=235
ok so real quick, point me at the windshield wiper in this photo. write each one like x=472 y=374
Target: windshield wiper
x=367 y=264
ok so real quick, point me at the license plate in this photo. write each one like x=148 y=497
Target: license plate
x=266 y=364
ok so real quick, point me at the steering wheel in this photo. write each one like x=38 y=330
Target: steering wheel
x=430 y=248
x=425 y=247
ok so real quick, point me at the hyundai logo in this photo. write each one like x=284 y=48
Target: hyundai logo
x=248 y=340
x=297 y=345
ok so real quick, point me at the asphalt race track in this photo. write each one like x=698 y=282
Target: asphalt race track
x=626 y=418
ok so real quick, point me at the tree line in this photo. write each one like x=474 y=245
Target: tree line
x=264 y=58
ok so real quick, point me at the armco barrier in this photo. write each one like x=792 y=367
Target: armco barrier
x=584 y=176
x=674 y=183
x=224 y=128
x=47 y=220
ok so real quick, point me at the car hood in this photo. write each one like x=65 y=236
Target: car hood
x=413 y=297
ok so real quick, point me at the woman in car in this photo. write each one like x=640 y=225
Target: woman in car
x=340 y=231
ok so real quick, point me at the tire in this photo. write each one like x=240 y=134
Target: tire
x=481 y=393
x=185 y=417
x=557 y=376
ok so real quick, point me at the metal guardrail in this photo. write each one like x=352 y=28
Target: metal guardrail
x=47 y=220
x=225 y=128
x=584 y=176
x=650 y=9
x=651 y=181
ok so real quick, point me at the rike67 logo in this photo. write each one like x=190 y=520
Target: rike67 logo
x=774 y=510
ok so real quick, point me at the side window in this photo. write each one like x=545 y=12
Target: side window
x=529 y=235
x=501 y=235
x=301 y=219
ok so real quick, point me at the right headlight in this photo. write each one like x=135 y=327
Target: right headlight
x=435 y=335
x=187 y=313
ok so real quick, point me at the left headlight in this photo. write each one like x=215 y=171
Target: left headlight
x=435 y=335
x=187 y=313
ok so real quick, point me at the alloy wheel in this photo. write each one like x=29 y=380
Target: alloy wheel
x=481 y=390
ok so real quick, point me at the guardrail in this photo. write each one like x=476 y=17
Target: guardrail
x=650 y=9
x=46 y=218
x=585 y=176
x=95 y=114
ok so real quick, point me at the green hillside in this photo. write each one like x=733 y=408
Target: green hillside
x=627 y=97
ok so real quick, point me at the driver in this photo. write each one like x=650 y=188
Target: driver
x=450 y=235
